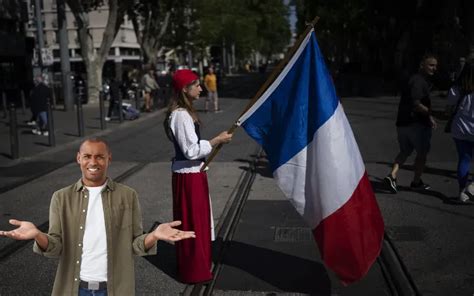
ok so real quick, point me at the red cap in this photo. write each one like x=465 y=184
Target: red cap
x=182 y=78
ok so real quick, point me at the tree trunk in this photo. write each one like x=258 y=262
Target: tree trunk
x=147 y=36
x=94 y=79
x=93 y=58
x=149 y=53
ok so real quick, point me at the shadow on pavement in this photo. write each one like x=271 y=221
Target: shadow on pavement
x=380 y=187
x=427 y=170
x=6 y=155
x=278 y=269
x=261 y=166
x=165 y=259
x=22 y=169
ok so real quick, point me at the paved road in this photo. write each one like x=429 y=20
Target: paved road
x=431 y=233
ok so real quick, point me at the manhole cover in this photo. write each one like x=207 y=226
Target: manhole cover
x=405 y=233
x=293 y=234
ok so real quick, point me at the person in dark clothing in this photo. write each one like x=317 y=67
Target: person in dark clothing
x=40 y=94
x=415 y=124
x=114 y=98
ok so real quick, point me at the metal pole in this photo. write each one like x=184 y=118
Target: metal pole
x=119 y=108
x=51 y=135
x=53 y=95
x=137 y=99
x=101 y=111
x=80 y=119
x=4 y=104
x=64 y=56
x=14 y=146
x=223 y=60
x=23 y=103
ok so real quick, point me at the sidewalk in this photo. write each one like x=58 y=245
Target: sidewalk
x=37 y=157
x=65 y=126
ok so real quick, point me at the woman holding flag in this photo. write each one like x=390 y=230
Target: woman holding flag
x=191 y=202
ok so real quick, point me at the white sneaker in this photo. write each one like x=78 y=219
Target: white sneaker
x=36 y=132
x=470 y=189
x=463 y=197
x=107 y=118
x=45 y=133
x=31 y=123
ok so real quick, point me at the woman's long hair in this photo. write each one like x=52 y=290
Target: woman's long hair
x=179 y=100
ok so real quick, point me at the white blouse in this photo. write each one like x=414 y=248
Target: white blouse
x=182 y=126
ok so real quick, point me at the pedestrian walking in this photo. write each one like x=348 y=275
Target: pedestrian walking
x=191 y=200
x=150 y=88
x=414 y=124
x=95 y=228
x=40 y=95
x=114 y=108
x=461 y=101
x=210 y=83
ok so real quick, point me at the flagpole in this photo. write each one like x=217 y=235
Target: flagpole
x=268 y=82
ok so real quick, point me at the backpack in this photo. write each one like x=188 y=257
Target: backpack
x=129 y=113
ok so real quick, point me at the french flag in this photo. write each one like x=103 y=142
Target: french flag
x=316 y=162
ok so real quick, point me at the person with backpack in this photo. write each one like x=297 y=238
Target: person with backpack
x=461 y=100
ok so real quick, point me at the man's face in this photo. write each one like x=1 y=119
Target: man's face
x=94 y=159
x=429 y=65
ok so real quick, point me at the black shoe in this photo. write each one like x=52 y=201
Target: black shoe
x=420 y=186
x=391 y=183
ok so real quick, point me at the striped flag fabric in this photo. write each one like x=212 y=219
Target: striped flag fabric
x=316 y=162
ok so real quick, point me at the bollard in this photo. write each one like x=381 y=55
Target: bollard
x=4 y=104
x=14 y=145
x=119 y=108
x=23 y=102
x=53 y=97
x=51 y=135
x=80 y=119
x=137 y=100
x=154 y=100
x=101 y=111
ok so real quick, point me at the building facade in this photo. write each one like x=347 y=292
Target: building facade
x=124 y=53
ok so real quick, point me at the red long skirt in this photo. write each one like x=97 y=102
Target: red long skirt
x=191 y=206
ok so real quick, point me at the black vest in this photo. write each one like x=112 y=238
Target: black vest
x=179 y=155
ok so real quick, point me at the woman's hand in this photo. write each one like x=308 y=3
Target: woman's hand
x=223 y=138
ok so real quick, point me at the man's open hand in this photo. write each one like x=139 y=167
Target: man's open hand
x=166 y=231
x=25 y=231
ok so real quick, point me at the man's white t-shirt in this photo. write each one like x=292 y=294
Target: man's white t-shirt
x=94 y=251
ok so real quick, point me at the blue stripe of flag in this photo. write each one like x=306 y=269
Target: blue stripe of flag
x=303 y=101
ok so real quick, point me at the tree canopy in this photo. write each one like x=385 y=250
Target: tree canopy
x=250 y=25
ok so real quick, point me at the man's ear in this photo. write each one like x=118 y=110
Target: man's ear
x=78 y=157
